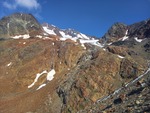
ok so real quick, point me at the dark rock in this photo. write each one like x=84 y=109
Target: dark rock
x=136 y=91
x=117 y=101
x=140 y=29
x=117 y=30
x=62 y=94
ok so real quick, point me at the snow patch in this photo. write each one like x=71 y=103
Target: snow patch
x=138 y=40
x=9 y=64
x=41 y=86
x=38 y=36
x=93 y=42
x=50 y=75
x=65 y=37
x=120 y=56
x=83 y=45
x=46 y=38
x=109 y=43
x=37 y=77
x=53 y=25
x=125 y=37
x=84 y=36
x=26 y=36
x=24 y=42
x=51 y=32
x=126 y=33
x=104 y=49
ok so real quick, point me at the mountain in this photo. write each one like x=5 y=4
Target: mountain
x=65 y=71
x=19 y=24
x=122 y=32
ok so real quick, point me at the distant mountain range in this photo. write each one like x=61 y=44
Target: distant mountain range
x=45 y=69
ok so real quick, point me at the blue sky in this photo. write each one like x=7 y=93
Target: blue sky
x=92 y=17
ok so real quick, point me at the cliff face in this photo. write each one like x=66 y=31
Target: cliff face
x=45 y=74
x=141 y=29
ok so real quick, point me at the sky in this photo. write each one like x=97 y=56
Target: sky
x=91 y=17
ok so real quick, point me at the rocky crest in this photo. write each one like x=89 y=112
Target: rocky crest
x=19 y=24
x=120 y=31
x=140 y=30
x=67 y=33
x=48 y=73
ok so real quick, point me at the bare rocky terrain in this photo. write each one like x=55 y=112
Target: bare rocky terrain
x=43 y=72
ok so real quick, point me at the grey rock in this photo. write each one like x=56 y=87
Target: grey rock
x=18 y=24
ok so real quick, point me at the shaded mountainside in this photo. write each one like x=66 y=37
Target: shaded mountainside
x=47 y=74
x=119 y=31
x=140 y=30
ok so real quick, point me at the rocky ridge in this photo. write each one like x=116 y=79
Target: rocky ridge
x=70 y=33
x=57 y=70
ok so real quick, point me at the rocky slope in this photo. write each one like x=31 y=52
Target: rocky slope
x=64 y=71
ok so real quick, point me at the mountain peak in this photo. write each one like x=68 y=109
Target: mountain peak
x=18 y=24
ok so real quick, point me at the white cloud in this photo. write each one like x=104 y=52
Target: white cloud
x=29 y=4
x=9 y=6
